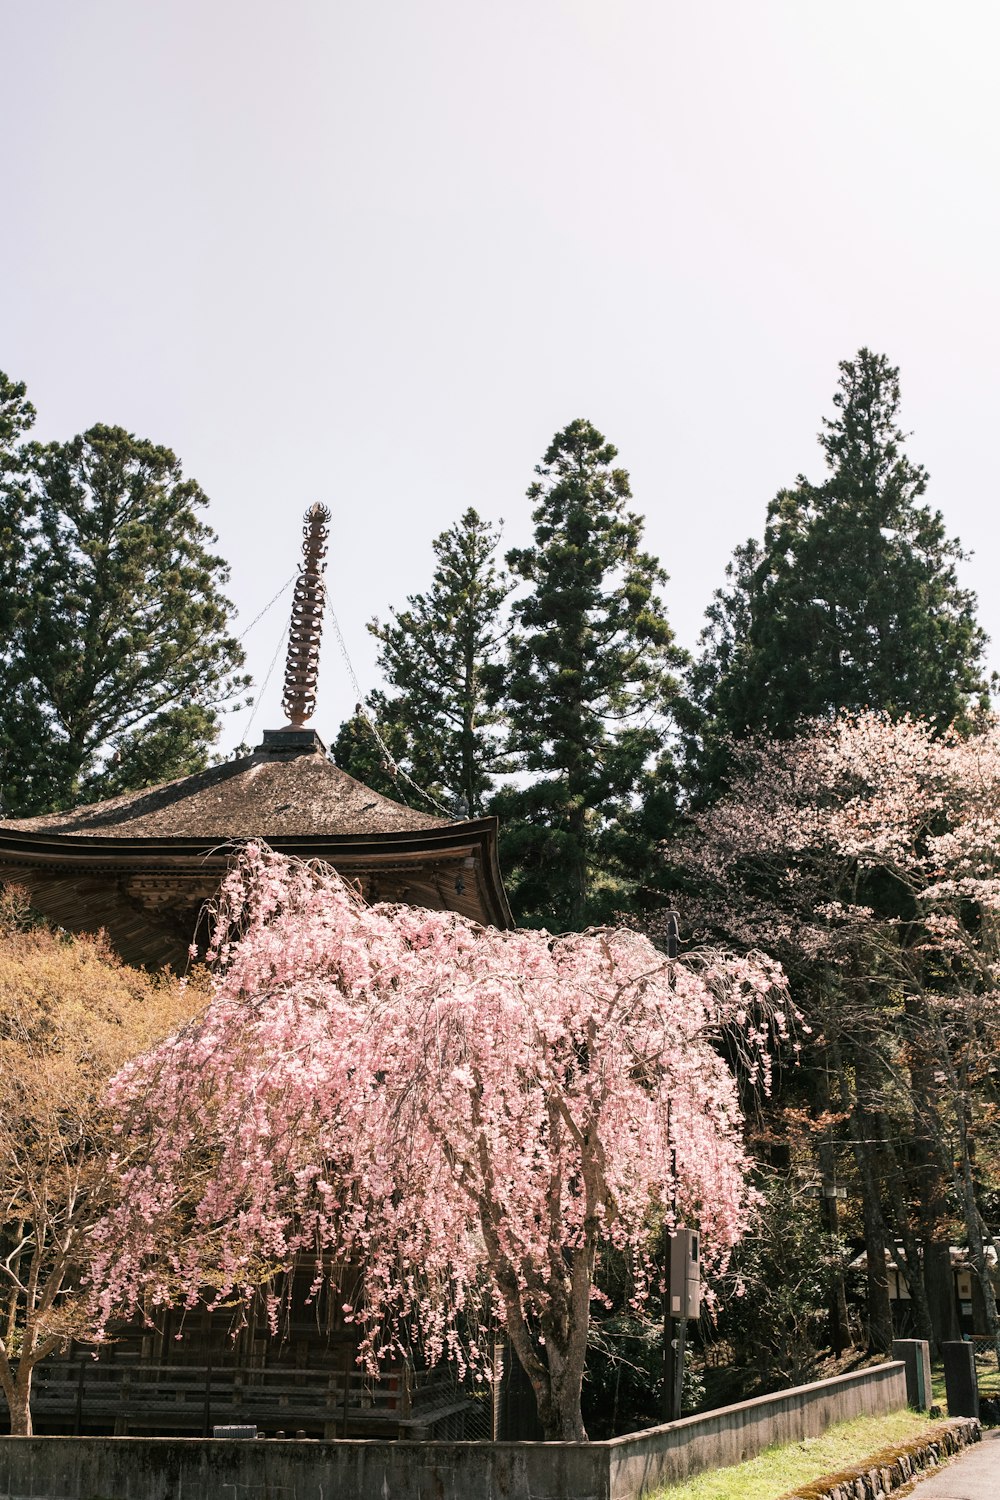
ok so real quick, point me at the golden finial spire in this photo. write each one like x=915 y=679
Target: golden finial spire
x=302 y=665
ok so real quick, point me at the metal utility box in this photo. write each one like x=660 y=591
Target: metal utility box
x=684 y=1289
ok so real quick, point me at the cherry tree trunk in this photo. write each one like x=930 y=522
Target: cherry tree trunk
x=559 y=1401
x=977 y=1233
x=913 y=1268
x=19 y=1404
x=931 y=1192
x=556 y=1375
x=879 y=1307
x=880 y=1332
x=840 y=1327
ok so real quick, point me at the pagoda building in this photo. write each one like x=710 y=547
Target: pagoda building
x=142 y=865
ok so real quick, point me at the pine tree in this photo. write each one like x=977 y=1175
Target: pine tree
x=115 y=654
x=589 y=680
x=852 y=601
x=437 y=656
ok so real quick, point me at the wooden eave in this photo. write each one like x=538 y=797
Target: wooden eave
x=146 y=891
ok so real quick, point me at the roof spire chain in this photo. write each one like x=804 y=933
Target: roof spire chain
x=302 y=663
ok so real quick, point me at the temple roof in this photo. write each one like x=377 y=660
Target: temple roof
x=266 y=794
x=142 y=865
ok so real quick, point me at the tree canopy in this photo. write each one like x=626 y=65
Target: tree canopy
x=852 y=600
x=862 y=854
x=17 y=416
x=478 y=1114
x=70 y=1016
x=589 y=680
x=115 y=654
x=436 y=657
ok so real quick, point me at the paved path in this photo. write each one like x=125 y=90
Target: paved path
x=974 y=1475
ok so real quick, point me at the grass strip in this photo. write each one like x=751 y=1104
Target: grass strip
x=787 y=1465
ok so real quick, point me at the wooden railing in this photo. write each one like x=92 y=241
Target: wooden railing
x=88 y=1395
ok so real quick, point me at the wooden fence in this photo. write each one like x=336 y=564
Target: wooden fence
x=84 y=1395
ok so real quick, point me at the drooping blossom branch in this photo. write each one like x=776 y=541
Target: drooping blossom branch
x=469 y=1114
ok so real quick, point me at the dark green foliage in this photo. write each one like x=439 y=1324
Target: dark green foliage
x=623 y=1386
x=851 y=602
x=358 y=752
x=17 y=416
x=783 y=1275
x=588 y=684
x=437 y=655
x=115 y=654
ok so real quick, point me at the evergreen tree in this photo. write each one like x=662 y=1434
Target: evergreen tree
x=17 y=416
x=852 y=601
x=115 y=654
x=437 y=655
x=361 y=755
x=588 y=683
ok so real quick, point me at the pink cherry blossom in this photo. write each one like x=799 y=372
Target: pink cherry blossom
x=866 y=854
x=470 y=1115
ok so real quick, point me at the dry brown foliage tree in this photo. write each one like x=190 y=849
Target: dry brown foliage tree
x=70 y=1015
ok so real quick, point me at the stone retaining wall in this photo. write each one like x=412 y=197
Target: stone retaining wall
x=877 y=1477
x=89 y=1468
x=662 y=1455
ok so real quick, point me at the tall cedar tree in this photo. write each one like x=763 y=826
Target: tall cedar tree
x=437 y=655
x=588 y=682
x=115 y=653
x=852 y=601
x=17 y=416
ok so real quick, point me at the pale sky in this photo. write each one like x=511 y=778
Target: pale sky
x=377 y=253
